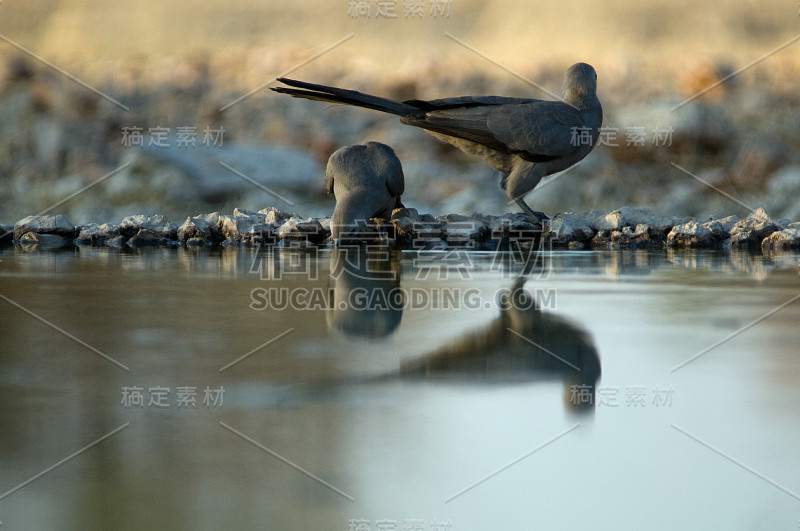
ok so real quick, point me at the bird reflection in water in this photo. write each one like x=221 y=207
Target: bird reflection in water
x=366 y=299
x=522 y=344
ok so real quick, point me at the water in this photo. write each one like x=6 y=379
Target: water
x=451 y=404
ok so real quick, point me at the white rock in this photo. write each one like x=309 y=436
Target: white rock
x=691 y=234
x=568 y=227
x=57 y=224
x=782 y=240
x=611 y=221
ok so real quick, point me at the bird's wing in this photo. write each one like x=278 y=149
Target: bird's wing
x=329 y=181
x=536 y=130
x=395 y=183
x=470 y=123
x=545 y=128
x=382 y=160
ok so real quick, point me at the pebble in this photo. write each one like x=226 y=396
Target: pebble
x=630 y=227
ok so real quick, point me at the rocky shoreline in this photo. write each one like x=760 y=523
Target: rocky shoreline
x=631 y=227
x=58 y=139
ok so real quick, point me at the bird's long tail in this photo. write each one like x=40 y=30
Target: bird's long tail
x=313 y=91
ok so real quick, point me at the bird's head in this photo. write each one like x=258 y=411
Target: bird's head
x=580 y=82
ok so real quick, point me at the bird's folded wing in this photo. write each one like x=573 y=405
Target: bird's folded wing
x=469 y=123
x=395 y=181
x=329 y=181
x=536 y=130
x=546 y=128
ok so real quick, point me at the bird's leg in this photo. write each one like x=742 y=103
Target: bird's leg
x=522 y=178
x=536 y=217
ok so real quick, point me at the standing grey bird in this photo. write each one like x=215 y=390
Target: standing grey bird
x=526 y=139
x=367 y=182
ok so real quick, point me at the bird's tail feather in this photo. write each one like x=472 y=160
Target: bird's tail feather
x=312 y=91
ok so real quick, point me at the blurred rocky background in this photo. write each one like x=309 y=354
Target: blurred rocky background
x=177 y=118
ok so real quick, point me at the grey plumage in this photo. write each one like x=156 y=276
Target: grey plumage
x=526 y=139
x=367 y=182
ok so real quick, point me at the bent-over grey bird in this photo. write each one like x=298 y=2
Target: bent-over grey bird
x=526 y=139
x=367 y=182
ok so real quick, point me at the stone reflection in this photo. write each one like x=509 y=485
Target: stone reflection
x=365 y=295
x=522 y=344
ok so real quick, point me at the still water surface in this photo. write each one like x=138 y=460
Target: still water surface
x=646 y=390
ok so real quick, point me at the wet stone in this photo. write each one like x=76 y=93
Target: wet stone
x=645 y=237
x=157 y=224
x=728 y=222
x=96 y=235
x=194 y=228
x=375 y=232
x=428 y=235
x=631 y=216
x=602 y=239
x=634 y=227
x=744 y=239
x=404 y=219
x=117 y=241
x=257 y=217
x=43 y=240
x=568 y=227
x=197 y=242
x=464 y=231
x=721 y=228
x=518 y=227
x=638 y=215
x=57 y=225
x=691 y=235
x=275 y=216
x=784 y=240
x=454 y=218
x=639 y=237
x=243 y=230
x=611 y=221
x=758 y=223
x=299 y=230
x=668 y=223
x=404 y=229
x=717 y=229
x=147 y=237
